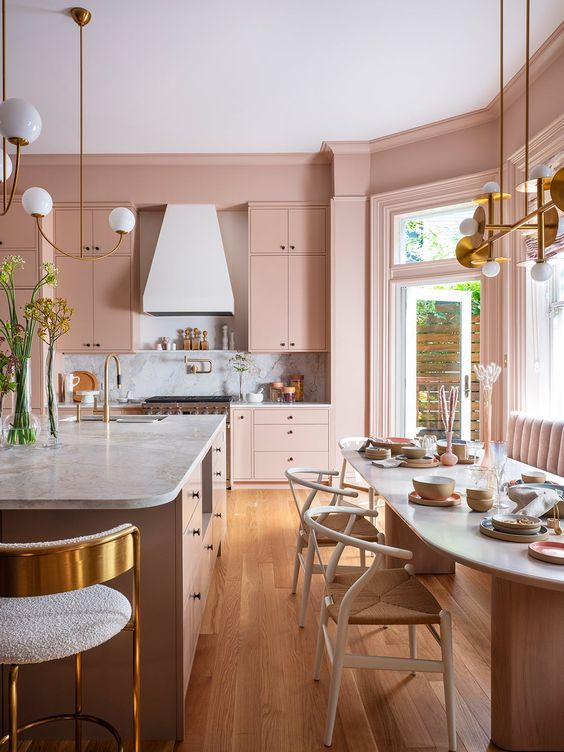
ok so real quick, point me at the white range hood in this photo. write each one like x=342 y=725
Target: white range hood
x=188 y=274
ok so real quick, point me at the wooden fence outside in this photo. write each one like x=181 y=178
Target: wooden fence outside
x=437 y=363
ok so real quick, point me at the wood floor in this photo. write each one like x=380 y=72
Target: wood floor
x=252 y=689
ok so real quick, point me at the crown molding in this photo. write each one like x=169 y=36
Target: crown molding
x=542 y=59
x=182 y=160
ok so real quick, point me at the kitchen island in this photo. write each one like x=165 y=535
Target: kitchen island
x=166 y=477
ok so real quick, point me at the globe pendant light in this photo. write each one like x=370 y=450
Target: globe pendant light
x=20 y=124
x=38 y=203
x=476 y=247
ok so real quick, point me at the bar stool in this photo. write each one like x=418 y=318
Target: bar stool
x=375 y=597
x=364 y=529
x=354 y=443
x=53 y=605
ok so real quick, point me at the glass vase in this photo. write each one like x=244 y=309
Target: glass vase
x=53 y=440
x=2 y=432
x=487 y=427
x=22 y=427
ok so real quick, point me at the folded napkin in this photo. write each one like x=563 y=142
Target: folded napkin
x=534 y=502
x=390 y=462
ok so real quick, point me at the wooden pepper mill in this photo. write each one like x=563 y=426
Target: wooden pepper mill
x=188 y=338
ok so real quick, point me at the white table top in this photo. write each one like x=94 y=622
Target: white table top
x=454 y=531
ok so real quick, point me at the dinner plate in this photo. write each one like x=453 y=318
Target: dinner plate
x=551 y=551
x=487 y=528
x=512 y=523
x=451 y=501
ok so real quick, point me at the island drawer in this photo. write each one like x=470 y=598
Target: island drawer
x=272 y=465
x=283 y=416
x=191 y=496
x=299 y=438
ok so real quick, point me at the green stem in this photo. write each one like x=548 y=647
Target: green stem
x=51 y=404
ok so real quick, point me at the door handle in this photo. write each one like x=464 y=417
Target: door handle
x=467 y=386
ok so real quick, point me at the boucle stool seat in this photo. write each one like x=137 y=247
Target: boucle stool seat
x=47 y=627
x=55 y=603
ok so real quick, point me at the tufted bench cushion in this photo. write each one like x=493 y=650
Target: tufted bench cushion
x=43 y=628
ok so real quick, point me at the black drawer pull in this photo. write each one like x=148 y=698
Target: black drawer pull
x=196 y=531
x=290 y=417
x=197 y=596
x=195 y=494
x=218 y=474
x=209 y=547
x=290 y=431
x=218 y=449
x=217 y=514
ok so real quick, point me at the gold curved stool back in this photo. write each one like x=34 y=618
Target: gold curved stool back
x=34 y=569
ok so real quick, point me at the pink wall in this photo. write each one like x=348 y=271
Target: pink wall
x=143 y=181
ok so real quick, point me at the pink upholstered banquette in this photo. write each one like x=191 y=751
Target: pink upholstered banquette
x=536 y=441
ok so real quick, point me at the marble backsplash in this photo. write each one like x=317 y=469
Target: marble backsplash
x=146 y=374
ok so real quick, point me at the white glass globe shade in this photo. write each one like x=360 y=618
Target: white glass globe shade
x=541 y=271
x=121 y=220
x=37 y=202
x=19 y=120
x=491 y=187
x=540 y=171
x=468 y=226
x=491 y=269
x=9 y=168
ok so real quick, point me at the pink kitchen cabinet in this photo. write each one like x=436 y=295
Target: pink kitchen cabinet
x=18 y=231
x=98 y=237
x=289 y=229
x=242 y=444
x=268 y=310
x=307 y=230
x=268 y=231
x=101 y=294
x=307 y=286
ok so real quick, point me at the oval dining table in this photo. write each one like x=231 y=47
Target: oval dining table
x=527 y=599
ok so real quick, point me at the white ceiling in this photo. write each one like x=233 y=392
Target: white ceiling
x=259 y=75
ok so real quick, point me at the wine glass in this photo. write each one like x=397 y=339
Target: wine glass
x=499 y=458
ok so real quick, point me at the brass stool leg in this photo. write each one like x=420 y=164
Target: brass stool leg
x=78 y=701
x=13 y=708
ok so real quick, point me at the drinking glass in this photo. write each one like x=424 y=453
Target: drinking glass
x=499 y=458
x=474 y=448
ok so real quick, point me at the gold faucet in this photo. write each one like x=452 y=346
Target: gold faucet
x=106 y=407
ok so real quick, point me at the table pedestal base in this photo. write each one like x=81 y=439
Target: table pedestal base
x=425 y=559
x=527 y=667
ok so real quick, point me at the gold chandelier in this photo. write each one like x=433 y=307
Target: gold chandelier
x=20 y=125
x=481 y=231
x=38 y=203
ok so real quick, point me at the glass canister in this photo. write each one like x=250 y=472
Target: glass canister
x=289 y=394
x=276 y=391
x=297 y=381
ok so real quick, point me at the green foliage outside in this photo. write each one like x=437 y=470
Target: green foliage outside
x=436 y=312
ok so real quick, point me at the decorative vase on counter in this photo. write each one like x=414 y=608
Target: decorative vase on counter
x=22 y=427
x=53 y=440
x=448 y=457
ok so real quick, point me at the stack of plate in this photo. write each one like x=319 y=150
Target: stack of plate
x=516 y=528
x=377 y=453
x=426 y=461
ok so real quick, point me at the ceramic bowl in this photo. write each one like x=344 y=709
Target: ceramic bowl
x=534 y=476
x=395 y=444
x=479 y=494
x=459 y=448
x=435 y=487
x=413 y=452
x=479 y=505
x=87 y=395
x=254 y=397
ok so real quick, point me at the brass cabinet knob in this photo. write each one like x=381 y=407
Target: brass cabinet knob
x=292 y=247
x=283 y=247
x=282 y=344
x=292 y=344
x=290 y=431
x=87 y=344
x=290 y=417
x=241 y=417
x=290 y=459
x=86 y=247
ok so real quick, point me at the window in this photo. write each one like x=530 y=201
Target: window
x=430 y=235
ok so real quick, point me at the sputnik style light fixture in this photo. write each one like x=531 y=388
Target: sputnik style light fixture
x=481 y=232
x=38 y=203
x=20 y=125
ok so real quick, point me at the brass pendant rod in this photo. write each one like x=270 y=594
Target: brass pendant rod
x=7 y=200
x=501 y=109
x=540 y=229
x=81 y=17
x=527 y=95
x=519 y=225
x=507 y=227
x=491 y=218
x=81 y=77
x=73 y=255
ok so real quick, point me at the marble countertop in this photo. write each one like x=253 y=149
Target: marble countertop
x=107 y=465
x=454 y=531
x=291 y=405
x=113 y=405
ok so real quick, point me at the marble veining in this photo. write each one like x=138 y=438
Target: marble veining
x=107 y=466
x=148 y=374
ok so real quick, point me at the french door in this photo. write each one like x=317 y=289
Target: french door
x=438 y=332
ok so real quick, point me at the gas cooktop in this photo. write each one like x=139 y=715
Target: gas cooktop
x=192 y=398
